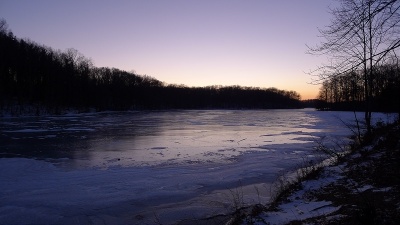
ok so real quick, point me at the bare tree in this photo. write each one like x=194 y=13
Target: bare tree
x=3 y=25
x=362 y=34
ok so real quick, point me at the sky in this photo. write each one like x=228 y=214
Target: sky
x=259 y=43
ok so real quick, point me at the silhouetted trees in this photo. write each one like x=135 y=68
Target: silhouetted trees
x=36 y=76
x=346 y=92
x=360 y=38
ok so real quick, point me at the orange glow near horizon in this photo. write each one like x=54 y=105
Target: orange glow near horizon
x=195 y=43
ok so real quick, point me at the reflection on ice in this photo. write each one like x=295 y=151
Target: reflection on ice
x=126 y=167
x=164 y=137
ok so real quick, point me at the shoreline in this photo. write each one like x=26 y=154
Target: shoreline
x=350 y=191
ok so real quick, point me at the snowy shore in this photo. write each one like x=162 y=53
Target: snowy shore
x=363 y=187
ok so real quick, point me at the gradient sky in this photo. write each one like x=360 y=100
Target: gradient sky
x=258 y=43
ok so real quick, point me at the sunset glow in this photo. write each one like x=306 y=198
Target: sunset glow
x=195 y=43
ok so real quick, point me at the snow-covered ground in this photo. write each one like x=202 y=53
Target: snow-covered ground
x=359 y=188
x=142 y=167
x=298 y=207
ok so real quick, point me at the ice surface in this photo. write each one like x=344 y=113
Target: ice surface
x=133 y=167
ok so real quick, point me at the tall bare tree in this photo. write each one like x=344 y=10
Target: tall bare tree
x=362 y=34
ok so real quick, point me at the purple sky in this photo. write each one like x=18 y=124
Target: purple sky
x=197 y=43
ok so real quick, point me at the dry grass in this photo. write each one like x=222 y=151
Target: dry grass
x=367 y=190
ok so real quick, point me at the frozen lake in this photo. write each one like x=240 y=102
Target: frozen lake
x=140 y=167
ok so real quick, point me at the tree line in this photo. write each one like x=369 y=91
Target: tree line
x=52 y=80
x=346 y=92
x=362 y=43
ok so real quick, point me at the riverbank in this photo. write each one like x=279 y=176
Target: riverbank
x=362 y=187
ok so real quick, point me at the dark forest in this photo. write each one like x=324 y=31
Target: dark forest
x=41 y=79
x=346 y=92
